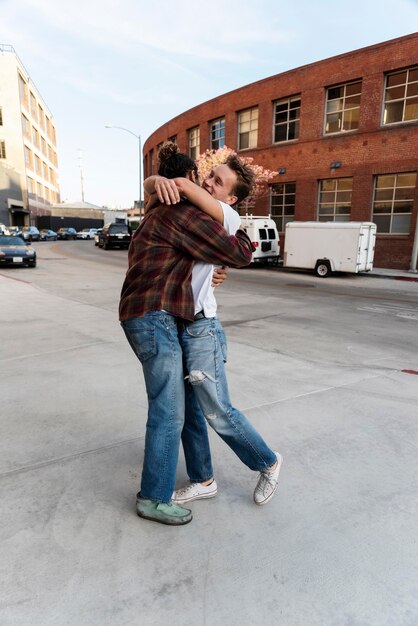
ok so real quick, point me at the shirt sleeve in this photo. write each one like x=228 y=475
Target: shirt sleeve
x=206 y=240
x=232 y=220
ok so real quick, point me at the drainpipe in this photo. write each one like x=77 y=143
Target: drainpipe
x=414 y=256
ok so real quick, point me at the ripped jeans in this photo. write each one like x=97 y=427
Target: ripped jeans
x=203 y=343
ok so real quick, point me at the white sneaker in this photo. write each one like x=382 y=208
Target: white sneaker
x=195 y=491
x=267 y=483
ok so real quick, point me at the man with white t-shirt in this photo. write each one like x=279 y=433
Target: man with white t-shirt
x=204 y=347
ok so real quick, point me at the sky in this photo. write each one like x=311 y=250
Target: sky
x=137 y=64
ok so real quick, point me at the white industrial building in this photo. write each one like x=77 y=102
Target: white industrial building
x=28 y=149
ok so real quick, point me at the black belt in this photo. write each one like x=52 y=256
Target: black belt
x=199 y=316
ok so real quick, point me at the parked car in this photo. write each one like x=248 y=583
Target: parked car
x=14 y=251
x=48 y=235
x=30 y=233
x=86 y=233
x=67 y=233
x=13 y=230
x=96 y=236
x=114 y=235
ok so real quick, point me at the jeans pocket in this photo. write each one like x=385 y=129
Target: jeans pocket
x=199 y=330
x=142 y=341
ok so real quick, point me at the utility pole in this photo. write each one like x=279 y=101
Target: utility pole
x=80 y=165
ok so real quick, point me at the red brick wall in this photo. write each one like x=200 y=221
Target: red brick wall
x=370 y=150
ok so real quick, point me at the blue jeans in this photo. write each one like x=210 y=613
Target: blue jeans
x=204 y=349
x=154 y=339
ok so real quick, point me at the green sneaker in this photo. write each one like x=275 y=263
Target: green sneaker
x=162 y=512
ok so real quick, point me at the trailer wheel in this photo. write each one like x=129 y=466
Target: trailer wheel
x=323 y=269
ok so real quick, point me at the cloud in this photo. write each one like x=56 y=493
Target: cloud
x=178 y=29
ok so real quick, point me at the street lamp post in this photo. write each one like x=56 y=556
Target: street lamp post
x=139 y=157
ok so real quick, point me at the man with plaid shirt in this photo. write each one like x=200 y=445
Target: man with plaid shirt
x=156 y=294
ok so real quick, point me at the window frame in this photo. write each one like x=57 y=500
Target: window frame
x=392 y=214
x=288 y=122
x=212 y=130
x=341 y=131
x=250 y=131
x=281 y=219
x=335 y=203
x=404 y=99
x=193 y=142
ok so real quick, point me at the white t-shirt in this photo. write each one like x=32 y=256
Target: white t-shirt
x=204 y=297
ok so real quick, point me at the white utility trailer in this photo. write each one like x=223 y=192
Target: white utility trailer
x=327 y=247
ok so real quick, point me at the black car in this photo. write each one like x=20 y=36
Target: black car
x=48 y=235
x=67 y=233
x=30 y=233
x=14 y=251
x=114 y=235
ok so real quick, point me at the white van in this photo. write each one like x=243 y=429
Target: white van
x=263 y=233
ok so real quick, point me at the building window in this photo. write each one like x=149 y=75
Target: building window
x=39 y=190
x=1 y=117
x=38 y=169
x=282 y=204
x=41 y=117
x=33 y=107
x=335 y=200
x=151 y=162
x=248 y=129
x=393 y=202
x=173 y=139
x=35 y=137
x=2 y=149
x=30 y=185
x=23 y=91
x=401 y=97
x=28 y=158
x=286 y=119
x=217 y=134
x=343 y=108
x=25 y=126
x=48 y=127
x=194 y=142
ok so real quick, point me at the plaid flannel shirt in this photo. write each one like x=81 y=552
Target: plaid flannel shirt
x=161 y=257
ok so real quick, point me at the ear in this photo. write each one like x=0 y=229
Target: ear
x=232 y=200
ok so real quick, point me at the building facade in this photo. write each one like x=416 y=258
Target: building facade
x=28 y=148
x=342 y=135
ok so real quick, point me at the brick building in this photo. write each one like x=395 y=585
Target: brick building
x=341 y=133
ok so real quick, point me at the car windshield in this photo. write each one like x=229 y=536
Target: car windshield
x=118 y=228
x=11 y=241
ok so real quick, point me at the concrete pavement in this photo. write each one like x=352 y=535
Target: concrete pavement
x=335 y=547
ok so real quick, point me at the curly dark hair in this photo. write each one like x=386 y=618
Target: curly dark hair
x=173 y=163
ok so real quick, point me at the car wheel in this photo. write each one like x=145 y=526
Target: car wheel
x=32 y=263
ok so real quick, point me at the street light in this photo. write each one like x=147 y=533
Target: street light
x=139 y=156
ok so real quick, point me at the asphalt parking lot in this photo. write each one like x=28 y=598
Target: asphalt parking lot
x=326 y=369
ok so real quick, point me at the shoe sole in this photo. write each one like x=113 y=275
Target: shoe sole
x=201 y=497
x=277 y=484
x=161 y=521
